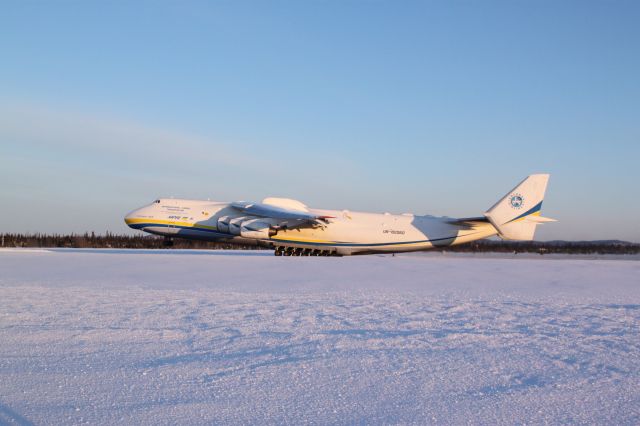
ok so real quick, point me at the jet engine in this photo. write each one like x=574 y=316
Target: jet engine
x=257 y=228
x=236 y=223
x=223 y=224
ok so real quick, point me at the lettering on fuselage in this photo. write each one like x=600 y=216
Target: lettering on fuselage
x=392 y=231
x=180 y=217
x=176 y=208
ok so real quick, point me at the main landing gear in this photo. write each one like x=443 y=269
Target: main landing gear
x=167 y=242
x=296 y=251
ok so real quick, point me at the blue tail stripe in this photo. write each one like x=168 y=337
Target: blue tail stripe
x=532 y=210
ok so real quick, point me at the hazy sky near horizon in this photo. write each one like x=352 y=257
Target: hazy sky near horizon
x=424 y=107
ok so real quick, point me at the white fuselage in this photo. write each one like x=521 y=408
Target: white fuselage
x=344 y=232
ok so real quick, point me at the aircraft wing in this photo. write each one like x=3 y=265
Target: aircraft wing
x=276 y=212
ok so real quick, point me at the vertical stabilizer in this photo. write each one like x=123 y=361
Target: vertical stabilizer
x=517 y=214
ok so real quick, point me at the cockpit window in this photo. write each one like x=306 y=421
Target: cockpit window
x=157 y=201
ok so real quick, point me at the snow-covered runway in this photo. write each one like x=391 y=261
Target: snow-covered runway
x=166 y=337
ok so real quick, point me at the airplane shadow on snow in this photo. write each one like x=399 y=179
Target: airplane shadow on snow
x=10 y=417
x=178 y=252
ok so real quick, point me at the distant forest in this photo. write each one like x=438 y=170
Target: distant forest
x=140 y=241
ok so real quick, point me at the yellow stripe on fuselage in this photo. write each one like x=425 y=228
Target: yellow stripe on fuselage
x=373 y=244
x=298 y=240
x=168 y=222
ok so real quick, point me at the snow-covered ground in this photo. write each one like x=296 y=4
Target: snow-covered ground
x=176 y=337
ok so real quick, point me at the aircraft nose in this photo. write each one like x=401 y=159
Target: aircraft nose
x=129 y=219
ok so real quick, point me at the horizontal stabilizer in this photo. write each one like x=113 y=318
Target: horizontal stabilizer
x=468 y=222
x=539 y=219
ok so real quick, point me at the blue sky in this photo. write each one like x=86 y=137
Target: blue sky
x=427 y=107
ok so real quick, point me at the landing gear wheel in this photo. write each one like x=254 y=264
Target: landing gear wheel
x=167 y=242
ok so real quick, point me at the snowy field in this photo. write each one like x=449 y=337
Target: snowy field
x=175 y=337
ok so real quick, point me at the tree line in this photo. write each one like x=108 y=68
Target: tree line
x=107 y=240
x=548 y=247
x=141 y=241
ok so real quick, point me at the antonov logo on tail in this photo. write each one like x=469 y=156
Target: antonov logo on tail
x=293 y=229
x=517 y=201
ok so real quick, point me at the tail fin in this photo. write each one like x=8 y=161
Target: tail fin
x=516 y=215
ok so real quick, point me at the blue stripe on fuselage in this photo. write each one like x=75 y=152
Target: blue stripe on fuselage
x=162 y=225
x=340 y=244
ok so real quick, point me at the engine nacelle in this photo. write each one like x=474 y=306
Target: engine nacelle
x=236 y=223
x=257 y=228
x=223 y=224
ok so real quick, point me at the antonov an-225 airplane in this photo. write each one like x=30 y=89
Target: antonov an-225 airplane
x=293 y=229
